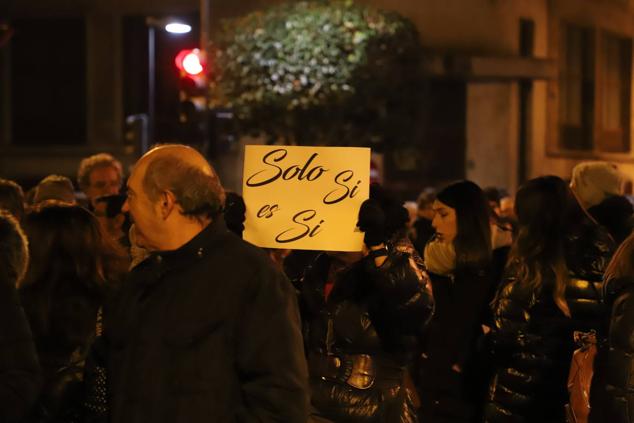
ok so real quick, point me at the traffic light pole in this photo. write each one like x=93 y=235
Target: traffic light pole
x=205 y=11
x=170 y=26
x=151 y=89
x=205 y=16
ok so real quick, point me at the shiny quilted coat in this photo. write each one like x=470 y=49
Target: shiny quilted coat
x=375 y=311
x=532 y=341
x=612 y=394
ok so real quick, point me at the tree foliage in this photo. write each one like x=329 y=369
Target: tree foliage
x=320 y=72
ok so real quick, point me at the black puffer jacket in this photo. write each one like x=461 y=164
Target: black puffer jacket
x=612 y=393
x=373 y=315
x=532 y=340
x=615 y=214
x=452 y=341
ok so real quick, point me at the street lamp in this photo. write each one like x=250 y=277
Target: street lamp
x=178 y=28
x=172 y=26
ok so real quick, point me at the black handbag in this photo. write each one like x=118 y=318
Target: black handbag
x=78 y=392
x=95 y=402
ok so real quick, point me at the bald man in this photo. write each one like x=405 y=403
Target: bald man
x=206 y=330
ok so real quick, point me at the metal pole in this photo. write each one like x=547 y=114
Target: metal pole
x=151 y=81
x=205 y=15
x=205 y=11
x=133 y=121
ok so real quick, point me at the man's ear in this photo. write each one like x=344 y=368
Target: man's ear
x=167 y=204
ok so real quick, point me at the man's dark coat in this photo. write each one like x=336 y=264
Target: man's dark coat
x=207 y=333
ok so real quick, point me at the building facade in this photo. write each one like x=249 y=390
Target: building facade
x=518 y=88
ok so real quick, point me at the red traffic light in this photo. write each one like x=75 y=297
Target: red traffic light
x=190 y=62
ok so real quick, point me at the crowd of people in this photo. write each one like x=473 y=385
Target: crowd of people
x=138 y=301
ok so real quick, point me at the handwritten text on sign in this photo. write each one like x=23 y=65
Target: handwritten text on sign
x=305 y=197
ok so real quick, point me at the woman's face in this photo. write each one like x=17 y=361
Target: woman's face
x=444 y=222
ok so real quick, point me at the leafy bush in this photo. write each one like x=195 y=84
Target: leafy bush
x=320 y=72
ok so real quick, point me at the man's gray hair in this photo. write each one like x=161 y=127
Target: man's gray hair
x=14 y=249
x=198 y=193
x=93 y=162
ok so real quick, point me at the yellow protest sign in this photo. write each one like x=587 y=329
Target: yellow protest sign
x=305 y=197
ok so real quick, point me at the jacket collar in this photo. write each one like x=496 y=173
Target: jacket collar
x=196 y=248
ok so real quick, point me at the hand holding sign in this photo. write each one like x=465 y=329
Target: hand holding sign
x=305 y=197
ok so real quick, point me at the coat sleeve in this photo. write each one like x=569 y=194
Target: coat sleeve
x=622 y=322
x=270 y=354
x=20 y=376
x=511 y=320
x=405 y=301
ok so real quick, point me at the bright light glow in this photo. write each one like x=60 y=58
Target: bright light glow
x=191 y=63
x=178 y=28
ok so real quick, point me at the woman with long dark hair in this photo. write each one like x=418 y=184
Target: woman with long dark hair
x=551 y=289
x=459 y=260
x=73 y=266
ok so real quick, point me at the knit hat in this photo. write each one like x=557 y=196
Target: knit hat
x=593 y=182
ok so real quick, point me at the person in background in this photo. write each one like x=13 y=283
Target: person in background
x=234 y=213
x=593 y=182
x=55 y=187
x=500 y=216
x=612 y=391
x=551 y=288
x=205 y=328
x=99 y=175
x=494 y=195
x=501 y=228
x=459 y=260
x=12 y=198
x=412 y=212
x=599 y=187
x=114 y=222
x=20 y=376
x=507 y=212
x=507 y=207
x=363 y=314
x=422 y=225
x=73 y=269
x=616 y=214
x=234 y=216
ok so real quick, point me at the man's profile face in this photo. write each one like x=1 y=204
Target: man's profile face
x=143 y=211
x=104 y=180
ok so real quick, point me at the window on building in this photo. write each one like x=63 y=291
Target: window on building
x=594 y=90
x=576 y=88
x=615 y=66
x=48 y=82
